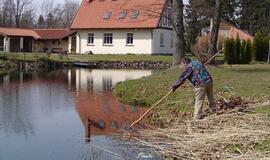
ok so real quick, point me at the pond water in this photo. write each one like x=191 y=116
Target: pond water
x=67 y=115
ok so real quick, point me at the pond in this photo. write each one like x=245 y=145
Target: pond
x=67 y=115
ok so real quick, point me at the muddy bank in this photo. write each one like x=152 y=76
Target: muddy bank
x=49 y=64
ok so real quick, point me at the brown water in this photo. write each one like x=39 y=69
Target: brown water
x=67 y=115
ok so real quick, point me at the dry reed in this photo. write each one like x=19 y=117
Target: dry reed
x=230 y=135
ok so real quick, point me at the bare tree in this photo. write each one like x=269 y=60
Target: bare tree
x=7 y=13
x=68 y=11
x=215 y=28
x=20 y=8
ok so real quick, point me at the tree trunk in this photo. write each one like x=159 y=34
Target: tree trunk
x=178 y=31
x=215 y=28
x=268 y=60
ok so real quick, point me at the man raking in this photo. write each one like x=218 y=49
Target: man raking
x=196 y=73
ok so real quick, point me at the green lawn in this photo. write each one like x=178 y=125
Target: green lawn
x=249 y=81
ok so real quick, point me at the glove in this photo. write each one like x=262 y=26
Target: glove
x=173 y=88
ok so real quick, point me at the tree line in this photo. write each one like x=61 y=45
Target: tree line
x=48 y=14
x=248 y=15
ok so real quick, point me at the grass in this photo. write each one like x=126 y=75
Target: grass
x=249 y=81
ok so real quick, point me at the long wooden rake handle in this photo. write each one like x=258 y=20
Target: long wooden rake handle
x=137 y=121
x=213 y=56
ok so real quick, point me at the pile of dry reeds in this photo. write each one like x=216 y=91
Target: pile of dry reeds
x=230 y=135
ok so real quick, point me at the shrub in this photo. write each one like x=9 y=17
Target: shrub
x=260 y=47
x=243 y=53
x=248 y=50
x=237 y=50
x=229 y=51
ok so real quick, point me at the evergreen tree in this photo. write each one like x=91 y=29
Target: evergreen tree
x=260 y=47
x=237 y=50
x=229 y=51
x=41 y=22
x=243 y=57
x=248 y=50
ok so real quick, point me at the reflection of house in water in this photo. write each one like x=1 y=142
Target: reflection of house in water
x=102 y=114
x=98 y=109
x=83 y=79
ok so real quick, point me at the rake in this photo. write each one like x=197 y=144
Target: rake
x=137 y=121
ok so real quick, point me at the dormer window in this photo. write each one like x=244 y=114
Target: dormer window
x=107 y=15
x=122 y=15
x=135 y=14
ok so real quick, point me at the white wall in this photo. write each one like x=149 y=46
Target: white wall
x=83 y=76
x=142 y=42
x=167 y=48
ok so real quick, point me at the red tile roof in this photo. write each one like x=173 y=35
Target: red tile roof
x=37 y=33
x=90 y=14
x=19 y=32
x=53 y=33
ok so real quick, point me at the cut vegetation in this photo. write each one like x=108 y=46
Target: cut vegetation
x=240 y=130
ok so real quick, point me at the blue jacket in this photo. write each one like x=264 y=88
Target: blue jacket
x=196 y=73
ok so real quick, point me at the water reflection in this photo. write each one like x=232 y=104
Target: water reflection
x=65 y=114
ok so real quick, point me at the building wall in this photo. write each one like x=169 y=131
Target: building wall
x=167 y=47
x=38 y=46
x=242 y=35
x=142 y=42
x=97 y=78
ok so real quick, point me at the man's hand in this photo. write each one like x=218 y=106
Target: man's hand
x=173 y=89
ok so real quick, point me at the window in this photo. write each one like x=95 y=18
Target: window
x=107 y=15
x=129 y=38
x=108 y=38
x=135 y=14
x=90 y=40
x=161 y=39
x=122 y=15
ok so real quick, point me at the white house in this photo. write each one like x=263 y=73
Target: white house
x=121 y=27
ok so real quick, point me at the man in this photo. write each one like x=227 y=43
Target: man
x=196 y=73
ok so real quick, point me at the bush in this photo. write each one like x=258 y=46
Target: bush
x=243 y=53
x=237 y=50
x=229 y=51
x=247 y=52
x=261 y=46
